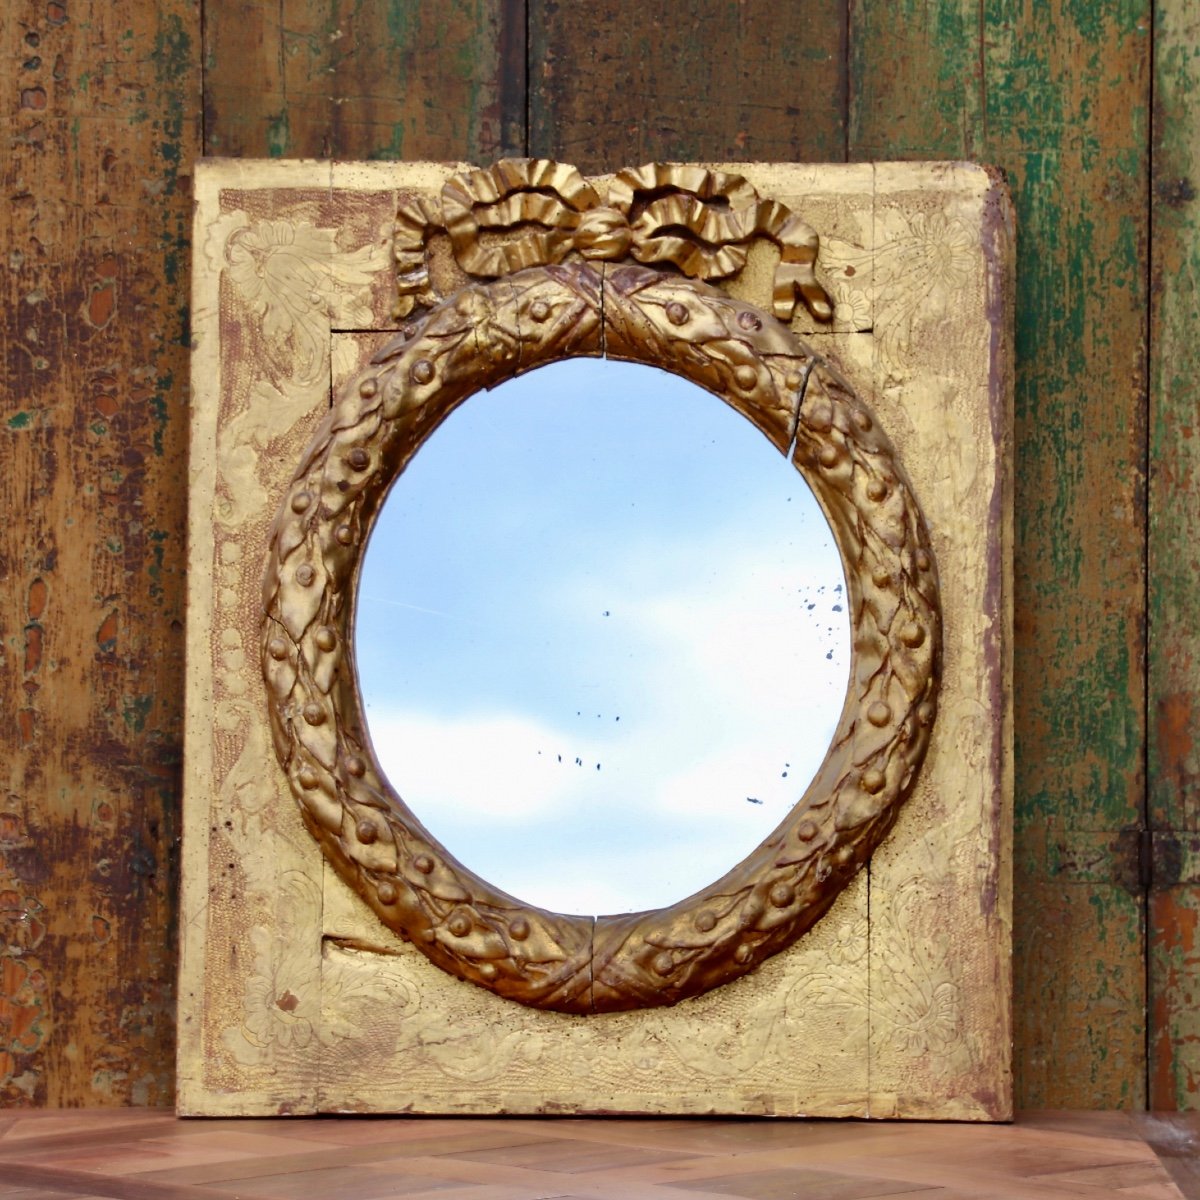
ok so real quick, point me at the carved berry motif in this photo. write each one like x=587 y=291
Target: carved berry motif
x=477 y=338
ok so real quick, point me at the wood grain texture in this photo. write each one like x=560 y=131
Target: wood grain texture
x=148 y=1156
x=1175 y=1138
x=632 y=83
x=1174 y=555
x=1057 y=95
x=99 y=125
x=354 y=80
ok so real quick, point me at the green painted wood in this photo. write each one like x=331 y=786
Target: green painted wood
x=1057 y=94
x=1174 y=560
x=622 y=82
x=355 y=80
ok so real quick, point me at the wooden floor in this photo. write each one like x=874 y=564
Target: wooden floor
x=154 y=1156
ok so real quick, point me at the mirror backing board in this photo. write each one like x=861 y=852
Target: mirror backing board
x=295 y=999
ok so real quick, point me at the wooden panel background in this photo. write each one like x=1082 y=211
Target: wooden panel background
x=1087 y=106
x=1174 y=564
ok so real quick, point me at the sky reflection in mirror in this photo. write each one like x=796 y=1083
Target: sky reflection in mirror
x=602 y=636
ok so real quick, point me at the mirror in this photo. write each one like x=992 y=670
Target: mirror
x=601 y=636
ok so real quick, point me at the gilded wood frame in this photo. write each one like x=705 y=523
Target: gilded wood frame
x=245 y=204
x=475 y=340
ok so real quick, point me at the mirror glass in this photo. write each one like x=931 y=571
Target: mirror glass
x=601 y=635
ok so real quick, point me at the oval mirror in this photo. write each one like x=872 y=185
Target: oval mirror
x=601 y=636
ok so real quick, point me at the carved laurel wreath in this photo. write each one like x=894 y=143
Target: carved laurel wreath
x=545 y=305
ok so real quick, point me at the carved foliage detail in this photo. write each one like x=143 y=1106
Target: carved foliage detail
x=482 y=335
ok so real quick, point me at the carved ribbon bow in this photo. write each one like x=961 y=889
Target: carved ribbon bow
x=528 y=212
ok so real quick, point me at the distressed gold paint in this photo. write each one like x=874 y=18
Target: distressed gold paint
x=296 y=998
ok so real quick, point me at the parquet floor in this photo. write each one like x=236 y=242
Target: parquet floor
x=154 y=1156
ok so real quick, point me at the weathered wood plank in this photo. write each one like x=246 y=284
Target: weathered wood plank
x=634 y=83
x=1174 y=923
x=101 y=120
x=99 y=123
x=1174 y=554
x=343 y=79
x=1057 y=95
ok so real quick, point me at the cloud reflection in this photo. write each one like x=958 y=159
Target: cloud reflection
x=602 y=637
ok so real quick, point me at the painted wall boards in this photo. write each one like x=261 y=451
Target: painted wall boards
x=105 y=111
